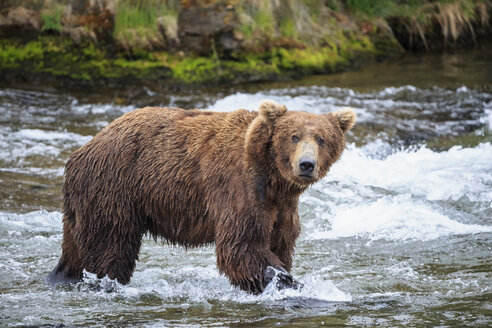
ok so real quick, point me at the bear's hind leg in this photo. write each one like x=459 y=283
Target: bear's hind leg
x=69 y=269
x=112 y=251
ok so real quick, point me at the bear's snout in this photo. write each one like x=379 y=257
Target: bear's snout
x=305 y=161
x=307 y=165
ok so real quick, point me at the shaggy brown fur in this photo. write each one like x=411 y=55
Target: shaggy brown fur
x=195 y=177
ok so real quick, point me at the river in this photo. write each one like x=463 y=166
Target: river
x=399 y=233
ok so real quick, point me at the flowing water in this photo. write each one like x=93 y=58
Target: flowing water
x=399 y=233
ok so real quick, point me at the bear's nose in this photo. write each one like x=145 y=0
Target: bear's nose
x=306 y=165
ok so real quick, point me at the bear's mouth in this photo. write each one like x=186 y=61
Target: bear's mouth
x=306 y=177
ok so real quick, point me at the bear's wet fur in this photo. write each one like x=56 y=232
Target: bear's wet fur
x=195 y=177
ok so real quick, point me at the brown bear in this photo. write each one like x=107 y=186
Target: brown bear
x=196 y=177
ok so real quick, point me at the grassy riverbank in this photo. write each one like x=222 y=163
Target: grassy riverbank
x=220 y=41
x=60 y=56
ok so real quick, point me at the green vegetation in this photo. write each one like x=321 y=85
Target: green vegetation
x=303 y=24
x=272 y=64
x=51 y=19
x=275 y=41
x=136 y=21
x=386 y=8
x=200 y=69
x=59 y=56
x=256 y=21
x=288 y=29
x=416 y=18
x=310 y=22
x=11 y=55
x=139 y=15
x=373 y=7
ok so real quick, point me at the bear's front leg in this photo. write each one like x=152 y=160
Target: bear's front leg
x=246 y=264
x=285 y=232
x=282 y=242
x=243 y=251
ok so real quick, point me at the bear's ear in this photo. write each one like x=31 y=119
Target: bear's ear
x=346 y=118
x=260 y=130
x=271 y=110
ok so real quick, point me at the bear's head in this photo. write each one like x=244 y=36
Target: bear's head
x=303 y=145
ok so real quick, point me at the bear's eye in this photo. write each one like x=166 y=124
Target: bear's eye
x=321 y=141
x=295 y=138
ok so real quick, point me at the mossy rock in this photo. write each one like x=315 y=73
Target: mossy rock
x=59 y=56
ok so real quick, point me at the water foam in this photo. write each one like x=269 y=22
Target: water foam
x=315 y=287
x=393 y=218
x=399 y=195
x=203 y=284
x=98 y=109
x=396 y=90
x=40 y=171
x=36 y=221
x=452 y=174
x=252 y=101
x=16 y=146
x=37 y=134
x=308 y=103
x=487 y=117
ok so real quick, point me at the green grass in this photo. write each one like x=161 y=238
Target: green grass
x=261 y=22
x=288 y=28
x=264 y=21
x=136 y=20
x=457 y=18
x=379 y=8
x=52 y=20
x=314 y=7
x=140 y=14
